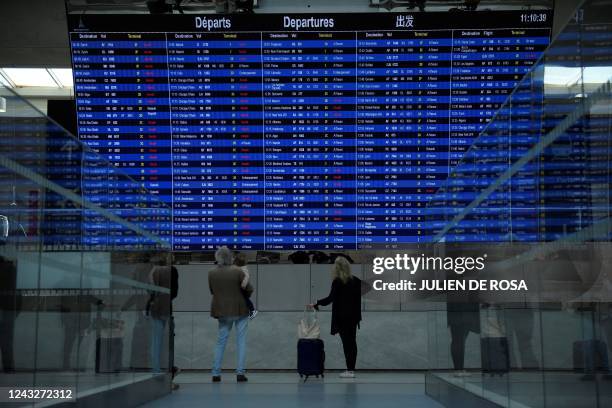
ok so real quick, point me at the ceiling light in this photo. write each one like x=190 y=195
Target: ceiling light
x=568 y=76
x=23 y=77
x=560 y=76
x=597 y=75
x=62 y=75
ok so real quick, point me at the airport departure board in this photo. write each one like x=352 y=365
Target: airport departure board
x=282 y=132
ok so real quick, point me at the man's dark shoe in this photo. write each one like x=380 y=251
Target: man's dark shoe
x=241 y=378
x=216 y=378
x=175 y=371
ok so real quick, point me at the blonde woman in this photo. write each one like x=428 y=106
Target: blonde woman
x=345 y=297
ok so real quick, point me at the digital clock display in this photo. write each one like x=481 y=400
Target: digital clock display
x=533 y=18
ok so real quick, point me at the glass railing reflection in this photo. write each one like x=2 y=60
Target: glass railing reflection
x=72 y=267
x=539 y=169
x=538 y=177
x=69 y=172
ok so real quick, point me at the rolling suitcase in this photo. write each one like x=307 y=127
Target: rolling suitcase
x=310 y=348
x=495 y=355
x=109 y=344
x=109 y=354
x=590 y=356
x=311 y=358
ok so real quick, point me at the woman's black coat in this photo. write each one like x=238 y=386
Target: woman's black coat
x=346 y=303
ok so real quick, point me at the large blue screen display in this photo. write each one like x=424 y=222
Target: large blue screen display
x=295 y=131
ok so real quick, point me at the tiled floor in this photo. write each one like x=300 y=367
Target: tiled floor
x=286 y=390
x=536 y=389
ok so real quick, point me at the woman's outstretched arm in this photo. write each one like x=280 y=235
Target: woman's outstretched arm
x=330 y=298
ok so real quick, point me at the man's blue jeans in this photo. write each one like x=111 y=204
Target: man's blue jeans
x=225 y=325
x=157 y=339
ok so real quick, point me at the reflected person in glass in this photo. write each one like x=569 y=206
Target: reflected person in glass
x=160 y=310
x=10 y=306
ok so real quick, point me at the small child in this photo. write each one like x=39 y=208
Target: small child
x=240 y=261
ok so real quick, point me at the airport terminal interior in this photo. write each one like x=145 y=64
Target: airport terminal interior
x=138 y=137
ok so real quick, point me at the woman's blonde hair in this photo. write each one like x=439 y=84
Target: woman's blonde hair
x=342 y=269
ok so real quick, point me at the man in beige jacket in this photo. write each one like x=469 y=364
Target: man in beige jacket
x=229 y=308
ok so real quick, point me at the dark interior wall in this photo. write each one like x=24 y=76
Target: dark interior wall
x=33 y=34
x=564 y=10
